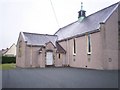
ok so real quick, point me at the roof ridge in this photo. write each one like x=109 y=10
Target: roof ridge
x=39 y=34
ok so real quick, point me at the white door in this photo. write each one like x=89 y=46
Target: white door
x=49 y=58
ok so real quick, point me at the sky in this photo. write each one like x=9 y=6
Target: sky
x=37 y=16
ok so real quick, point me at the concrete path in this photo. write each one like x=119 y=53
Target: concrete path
x=59 y=78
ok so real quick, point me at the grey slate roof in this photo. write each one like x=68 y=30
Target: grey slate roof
x=90 y=24
x=60 y=49
x=38 y=39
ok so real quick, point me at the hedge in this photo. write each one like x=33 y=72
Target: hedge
x=6 y=59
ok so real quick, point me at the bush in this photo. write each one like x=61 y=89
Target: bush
x=6 y=59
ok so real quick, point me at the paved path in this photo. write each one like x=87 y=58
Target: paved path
x=59 y=78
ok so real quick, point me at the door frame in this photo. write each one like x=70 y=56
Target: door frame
x=51 y=51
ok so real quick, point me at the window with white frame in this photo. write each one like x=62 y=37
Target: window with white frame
x=89 y=48
x=74 y=46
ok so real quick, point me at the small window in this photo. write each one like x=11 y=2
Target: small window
x=59 y=56
x=89 y=49
x=74 y=47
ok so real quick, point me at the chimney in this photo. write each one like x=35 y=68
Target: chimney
x=81 y=13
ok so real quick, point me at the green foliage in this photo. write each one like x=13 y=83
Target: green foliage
x=6 y=59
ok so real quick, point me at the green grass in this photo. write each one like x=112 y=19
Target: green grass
x=7 y=66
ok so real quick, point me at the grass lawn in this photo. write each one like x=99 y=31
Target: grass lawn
x=7 y=66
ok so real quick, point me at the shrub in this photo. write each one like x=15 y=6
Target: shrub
x=6 y=59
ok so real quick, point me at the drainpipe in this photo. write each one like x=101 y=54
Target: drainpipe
x=31 y=56
x=41 y=59
x=68 y=53
x=103 y=38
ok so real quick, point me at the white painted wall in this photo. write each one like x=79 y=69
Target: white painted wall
x=11 y=51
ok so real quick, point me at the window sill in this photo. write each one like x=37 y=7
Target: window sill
x=74 y=54
x=88 y=53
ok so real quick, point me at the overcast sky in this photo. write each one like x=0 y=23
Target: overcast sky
x=37 y=16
